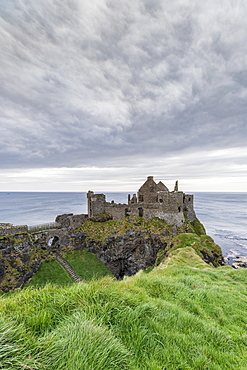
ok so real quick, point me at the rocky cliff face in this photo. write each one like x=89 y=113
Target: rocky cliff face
x=19 y=260
x=124 y=247
x=123 y=255
x=131 y=245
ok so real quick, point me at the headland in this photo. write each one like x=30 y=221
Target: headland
x=125 y=237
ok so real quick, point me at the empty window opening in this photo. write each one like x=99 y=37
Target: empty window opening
x=127 y=212
x=140 y=212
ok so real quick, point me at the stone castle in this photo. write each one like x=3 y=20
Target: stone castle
x=152 y=200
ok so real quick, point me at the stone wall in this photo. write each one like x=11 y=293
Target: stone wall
x=10 y=230
x=153 y=200
x=188 y=207
x=147 y=211
x=70 y=221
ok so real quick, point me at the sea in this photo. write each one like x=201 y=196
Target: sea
x=224 y=215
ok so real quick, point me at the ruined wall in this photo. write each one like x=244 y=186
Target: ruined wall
x=9 y=230
x=170 y=214
x=148 y=191
x=70 y=220
x=188 y=207
x=169 y=208
x=153 y=200
x=96 y=203
x=171 y=202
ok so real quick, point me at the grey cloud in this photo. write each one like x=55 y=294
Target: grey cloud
x=93 y=81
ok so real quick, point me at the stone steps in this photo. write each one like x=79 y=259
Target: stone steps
x=67 y=267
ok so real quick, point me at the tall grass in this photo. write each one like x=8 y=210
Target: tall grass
x=83 y=344
x=14 y=351
x=181 y=315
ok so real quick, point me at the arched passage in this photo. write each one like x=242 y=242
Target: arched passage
x=53 y=241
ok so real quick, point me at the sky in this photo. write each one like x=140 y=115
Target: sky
x=100 y=94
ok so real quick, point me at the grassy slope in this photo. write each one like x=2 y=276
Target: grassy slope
x=50 y=272
x=86 y=265
x=183 y=314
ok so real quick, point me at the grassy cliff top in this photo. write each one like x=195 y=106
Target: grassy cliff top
x=101 y=230
x=110 y=228
x=182 y=315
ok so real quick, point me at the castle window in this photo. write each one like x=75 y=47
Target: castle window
x=179 y=209
x=140 y=198
x=127 y=212
x=161 y=200
x=140 y=212
x=189 y=199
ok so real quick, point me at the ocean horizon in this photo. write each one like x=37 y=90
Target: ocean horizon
x=224 y=215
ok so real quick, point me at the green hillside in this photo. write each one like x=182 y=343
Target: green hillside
x=84 y=263
x=183 y=314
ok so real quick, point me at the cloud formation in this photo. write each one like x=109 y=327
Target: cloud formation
x=106 y=83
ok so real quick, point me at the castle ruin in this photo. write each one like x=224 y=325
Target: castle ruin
x=152 y=200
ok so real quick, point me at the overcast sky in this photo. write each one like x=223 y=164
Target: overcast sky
x=100 y=94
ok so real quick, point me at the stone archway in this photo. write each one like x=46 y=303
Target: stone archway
x=53 y=241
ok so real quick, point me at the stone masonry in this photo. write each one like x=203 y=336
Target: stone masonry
x=152 y=200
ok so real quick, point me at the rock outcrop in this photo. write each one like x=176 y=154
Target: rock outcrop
x=123 y=255
x=19 y=260
x=131 y=245
x=125 y=247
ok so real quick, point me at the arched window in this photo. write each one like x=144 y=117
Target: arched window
x=127 y=212
x=140 y=212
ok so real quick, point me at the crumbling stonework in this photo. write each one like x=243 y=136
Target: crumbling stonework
x=9 y=229
x=70 y=220
x=152 y=200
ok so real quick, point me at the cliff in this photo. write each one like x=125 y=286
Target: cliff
x=19 y=259
x=125 y=247
x=136 y=244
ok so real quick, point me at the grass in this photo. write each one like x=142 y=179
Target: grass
x=198 y=227
x=99 y=231
x=203 y=245
x=50 y=272
x=180 y=315
x=86 y=265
